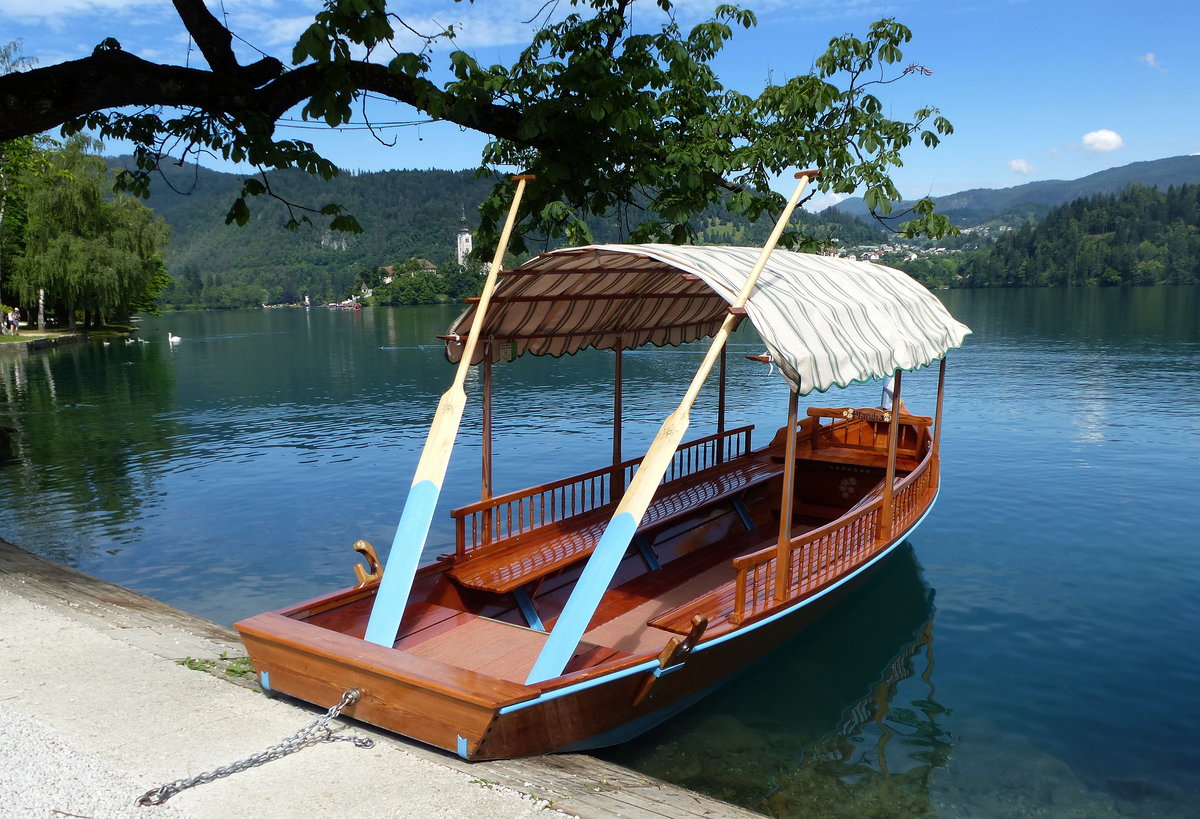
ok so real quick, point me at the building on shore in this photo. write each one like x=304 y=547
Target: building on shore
x=464 y=239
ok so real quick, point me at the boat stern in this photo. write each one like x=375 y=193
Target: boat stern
x=426 y=700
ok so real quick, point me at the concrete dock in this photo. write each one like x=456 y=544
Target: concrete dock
x=97 y=708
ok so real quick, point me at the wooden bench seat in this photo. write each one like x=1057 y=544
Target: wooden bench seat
x=507 y=565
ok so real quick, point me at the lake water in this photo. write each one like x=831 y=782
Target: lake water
x=1032 y=652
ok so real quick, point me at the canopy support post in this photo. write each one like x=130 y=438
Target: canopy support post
x=889 y=479
x=721 y=407
x=783 y=555
x=617 y=478
x=485 y=482
x=937 y=422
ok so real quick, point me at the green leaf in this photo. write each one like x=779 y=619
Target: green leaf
x=238 y=213
x=345 y=223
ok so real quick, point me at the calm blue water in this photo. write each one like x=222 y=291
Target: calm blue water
x=1033 y=653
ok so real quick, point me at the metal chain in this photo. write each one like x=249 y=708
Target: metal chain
x=316 y=731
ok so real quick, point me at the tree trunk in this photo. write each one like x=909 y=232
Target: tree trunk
x=3 y=204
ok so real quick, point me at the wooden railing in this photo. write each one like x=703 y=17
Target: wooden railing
x=821 y=556
x=515 y=513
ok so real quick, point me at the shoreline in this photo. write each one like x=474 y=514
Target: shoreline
x=97 y=669
x=40 y=341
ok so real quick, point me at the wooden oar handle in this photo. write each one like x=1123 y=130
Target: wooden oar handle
x=526 y=176
x=413 y=529
x=809 y=174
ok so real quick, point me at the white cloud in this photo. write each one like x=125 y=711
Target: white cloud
x=52 y=12
x=824 y=200
x=1021 y=166
x=474 y=27
x=1102 y=141
x=1151 y=61
x=269 y=31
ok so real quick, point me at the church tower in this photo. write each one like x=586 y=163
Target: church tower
x=464 y=239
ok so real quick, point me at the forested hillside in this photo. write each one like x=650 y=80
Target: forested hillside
x=1140 y=236
x=404 y=215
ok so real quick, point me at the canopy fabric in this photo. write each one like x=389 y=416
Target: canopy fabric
x=825 y=321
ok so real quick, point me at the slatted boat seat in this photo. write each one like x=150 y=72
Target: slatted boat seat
x=509 y=564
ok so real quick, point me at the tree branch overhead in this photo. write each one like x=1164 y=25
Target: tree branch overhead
x=606 y=115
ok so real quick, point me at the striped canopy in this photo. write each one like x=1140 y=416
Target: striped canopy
x=824 y=321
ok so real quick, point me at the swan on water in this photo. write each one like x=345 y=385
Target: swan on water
x=173 y=339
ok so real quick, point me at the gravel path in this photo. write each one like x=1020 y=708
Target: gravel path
x=89 y=721
x=44 y=774
x=96 y=709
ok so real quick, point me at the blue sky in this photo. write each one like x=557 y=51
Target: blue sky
x=1035 y=90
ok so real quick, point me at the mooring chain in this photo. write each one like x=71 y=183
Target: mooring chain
x=316 y=731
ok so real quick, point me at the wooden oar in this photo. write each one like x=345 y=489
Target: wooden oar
x=413 y=528
x=600 y=568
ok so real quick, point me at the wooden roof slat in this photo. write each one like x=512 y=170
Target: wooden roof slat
x=606 y=331
x=542 y=271
x=593 y=297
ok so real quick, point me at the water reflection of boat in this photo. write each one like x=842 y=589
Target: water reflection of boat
x=822 y=713
x=886 y=745
x=570 y=616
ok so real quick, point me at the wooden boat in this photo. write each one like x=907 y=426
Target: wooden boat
x=536 y=634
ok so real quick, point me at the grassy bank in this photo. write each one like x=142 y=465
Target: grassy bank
x=27 y=335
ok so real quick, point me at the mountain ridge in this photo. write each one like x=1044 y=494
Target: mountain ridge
x=978 y=206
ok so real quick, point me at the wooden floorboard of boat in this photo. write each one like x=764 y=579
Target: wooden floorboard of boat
x=485 y=646
x=653 y=585
x=424 y=621
x=715 y=606
x=576 y=784
x=631 y=631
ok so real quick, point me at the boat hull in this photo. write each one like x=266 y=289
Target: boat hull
x=480 y=717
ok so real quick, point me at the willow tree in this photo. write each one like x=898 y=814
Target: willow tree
x=17 y=157
x=90 y=252
x=613 y=112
